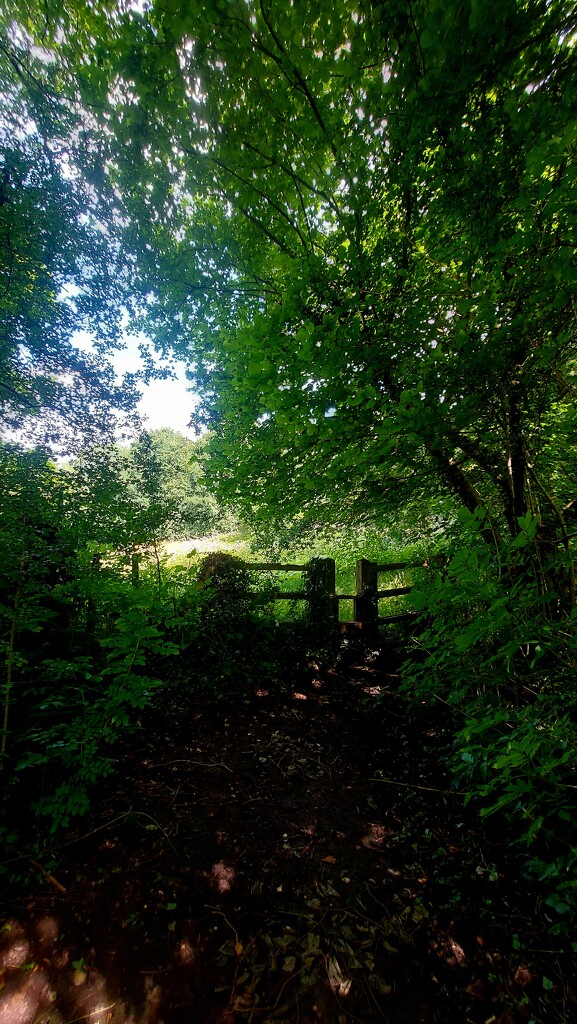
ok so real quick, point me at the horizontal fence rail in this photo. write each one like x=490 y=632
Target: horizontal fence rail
x=320 y=590
x=394 y=592
x=275 y=567
x=368 y=593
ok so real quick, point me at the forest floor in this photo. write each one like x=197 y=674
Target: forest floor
x=295 y=856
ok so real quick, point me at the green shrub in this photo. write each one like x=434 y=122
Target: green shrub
x=498 y=646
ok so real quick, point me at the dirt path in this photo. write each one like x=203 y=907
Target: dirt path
x=295 y=858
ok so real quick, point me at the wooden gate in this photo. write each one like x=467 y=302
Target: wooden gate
x=320 y=591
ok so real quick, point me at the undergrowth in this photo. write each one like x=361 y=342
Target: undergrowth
x=107 y=651
x=501 y=657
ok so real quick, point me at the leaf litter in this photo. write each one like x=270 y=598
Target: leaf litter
x=247 y=864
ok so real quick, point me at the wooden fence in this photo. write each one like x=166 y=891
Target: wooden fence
x=320 y=591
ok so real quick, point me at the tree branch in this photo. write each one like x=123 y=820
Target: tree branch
x=301 y=81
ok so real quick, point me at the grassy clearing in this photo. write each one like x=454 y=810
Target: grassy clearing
x=367 y=545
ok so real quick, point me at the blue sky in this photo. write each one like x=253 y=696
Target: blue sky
x=164 y=403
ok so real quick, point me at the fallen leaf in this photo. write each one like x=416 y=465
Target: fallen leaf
x=329 y=860
x=420 y=914
x=337 y=980
x=477 y=990
x=523 y=976
x=382 y=986
x=242 y=1003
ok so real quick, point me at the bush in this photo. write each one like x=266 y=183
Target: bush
x=497 y=645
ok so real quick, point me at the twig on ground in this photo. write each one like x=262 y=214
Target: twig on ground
x=203 y=764
x=86 y=1016
x=143 y=814
x=413 y=785
x=174 y=795
x=47 y=876
x=215 y=910
x=113 y=821
x=284 y=985
x=87 y=835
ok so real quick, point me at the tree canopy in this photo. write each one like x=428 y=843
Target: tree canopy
x=62 y=267
x=354 y=222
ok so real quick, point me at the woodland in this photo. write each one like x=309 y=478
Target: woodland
x=355 y=222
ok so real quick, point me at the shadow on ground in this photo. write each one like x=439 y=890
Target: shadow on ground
x=296 y=857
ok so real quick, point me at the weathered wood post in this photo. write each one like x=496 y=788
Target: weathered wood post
x=366 y=600
x=320 y=588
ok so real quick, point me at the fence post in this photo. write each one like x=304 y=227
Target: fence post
x=366 y=601
x=321 y=587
